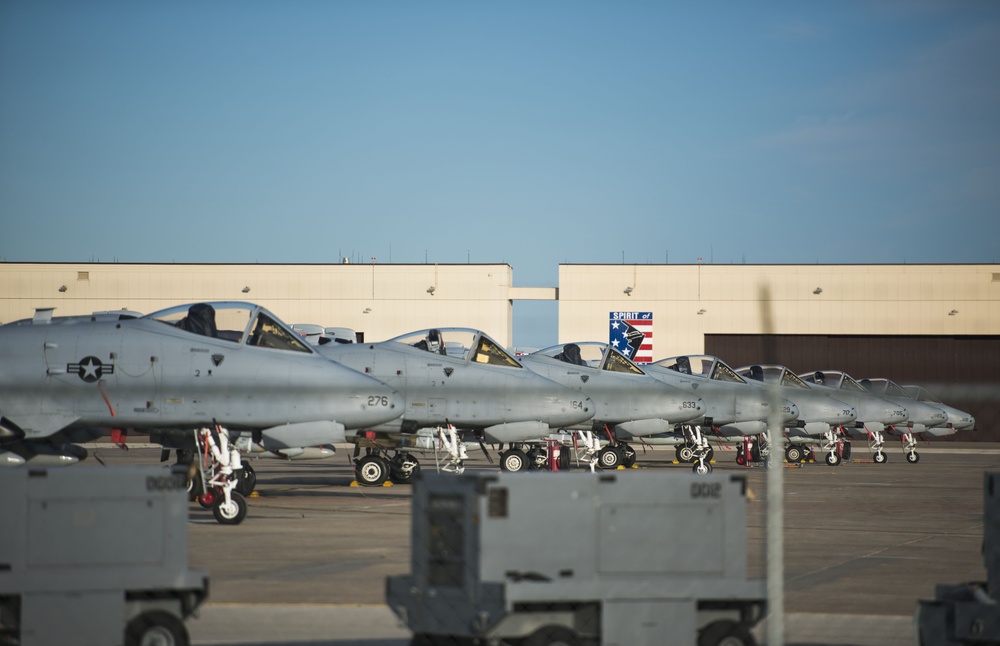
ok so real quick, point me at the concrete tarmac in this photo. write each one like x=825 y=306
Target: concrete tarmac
x=863 y=543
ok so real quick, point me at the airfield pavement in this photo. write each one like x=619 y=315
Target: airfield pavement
x=863 y=543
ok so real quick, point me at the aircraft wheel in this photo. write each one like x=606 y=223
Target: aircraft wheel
x=565 y=460
x=846 y=451
x=709 y=454
x=833 y=459
x=513 y=460
x=552 y=636
x=913 y=457
x=234 y=512
x=684 y=453
x=725 y=632
x=371 y=470
x=701 y=468
x=628 y=456
x=880 y=457
x=247 y=480
x=609 y=458
x=793 y=454
x=156 y=627
x=537 y=458
x=403 y=468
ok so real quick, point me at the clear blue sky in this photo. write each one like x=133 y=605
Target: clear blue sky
x=532 y=133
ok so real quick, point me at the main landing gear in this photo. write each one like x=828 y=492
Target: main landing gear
x=401 y=467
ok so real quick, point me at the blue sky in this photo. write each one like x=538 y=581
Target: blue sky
x=531 y=133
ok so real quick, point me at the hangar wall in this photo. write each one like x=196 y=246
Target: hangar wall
x=378 y=300
x=688 y=302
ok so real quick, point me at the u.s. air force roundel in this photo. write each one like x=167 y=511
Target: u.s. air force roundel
x=90 y=369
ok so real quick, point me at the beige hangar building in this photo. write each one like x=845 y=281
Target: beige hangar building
x=935 y=325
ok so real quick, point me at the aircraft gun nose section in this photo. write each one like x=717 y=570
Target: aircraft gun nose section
x=789 y=412
x=896 y=415
x=568 y=407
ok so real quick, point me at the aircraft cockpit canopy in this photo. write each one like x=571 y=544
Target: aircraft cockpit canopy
x=592 y=354
x=773 y=375
x=920 y=394
x=886 y=387
x=462 y=343
x=833 y=379
x=235 y=322
x=705 y=366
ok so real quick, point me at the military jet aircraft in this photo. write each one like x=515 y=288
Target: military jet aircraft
x=820 y=416
x=921 y=416
x=875 y=414
x=735 y=409
x=958 y=420
x=456 y=382
x=195 y=377
x=629 y=402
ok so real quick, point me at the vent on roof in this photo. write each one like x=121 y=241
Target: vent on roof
x=83 y=275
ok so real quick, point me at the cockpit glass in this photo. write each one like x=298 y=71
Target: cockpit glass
x=618 y=363
x=722 y=372
x=849 y=384
x=490 y=353
x=790 y=379
x=589 y=355
x=267 y=333
x=893 y=390
x=226 y=321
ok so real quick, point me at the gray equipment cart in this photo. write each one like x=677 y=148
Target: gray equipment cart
x=968 y=613
x=579 y=558
x=93 y=555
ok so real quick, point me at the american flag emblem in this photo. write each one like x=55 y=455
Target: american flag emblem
x=631 y=333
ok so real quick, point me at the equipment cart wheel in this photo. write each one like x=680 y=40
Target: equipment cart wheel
x=513 y=460
x=232 y=513
x=726 y=633
x=609 y=458
x=156 y=628
x=565 y=460
x=207 y=499
x=880 y=457
x=371 y=470
x=552 y=636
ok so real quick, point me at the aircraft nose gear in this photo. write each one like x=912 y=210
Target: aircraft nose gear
x=910 y=447
x=701 y=452
x=455 y=451
x=218 y=462
x=876 y=442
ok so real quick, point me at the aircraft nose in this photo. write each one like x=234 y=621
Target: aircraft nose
x=897 y=415
x=847 y=415
x=789 y=412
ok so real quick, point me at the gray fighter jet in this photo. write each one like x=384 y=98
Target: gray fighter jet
x=735 y=409
x=958 y=420
x=875 y=414
x=194 y=377
x=457 y=383
x=630 y=403
x=820 y=416
x=921 y=416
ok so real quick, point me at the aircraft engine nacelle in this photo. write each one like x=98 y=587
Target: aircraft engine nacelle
x=10 y=459
x=515 y=432
x=292 y=436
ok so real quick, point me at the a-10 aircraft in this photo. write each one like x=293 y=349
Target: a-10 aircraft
x=922 y=417
x=457 y=383
x=820 y=416
x=958 y=420
x=735 y=410
x=194 y=377
x=629 y=403
x=875 y=414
